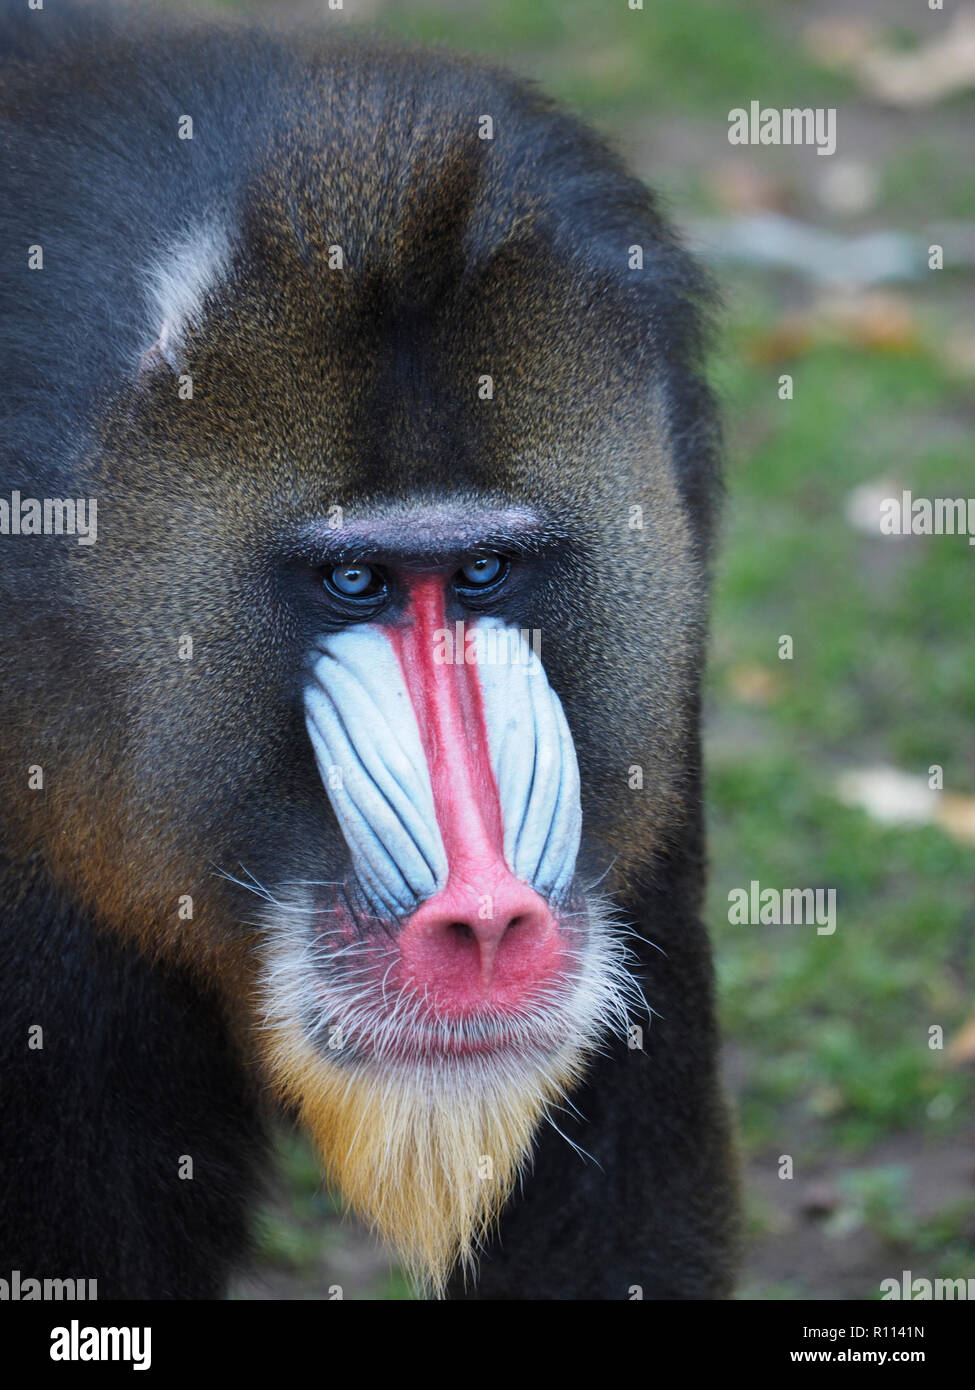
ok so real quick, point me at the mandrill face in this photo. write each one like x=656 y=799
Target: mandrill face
x=447 y=988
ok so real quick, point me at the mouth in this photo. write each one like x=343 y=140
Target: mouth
x=369 y=1005
x=419 y=1038
x=340 y=978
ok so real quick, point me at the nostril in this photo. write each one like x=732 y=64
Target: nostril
x=462 y=931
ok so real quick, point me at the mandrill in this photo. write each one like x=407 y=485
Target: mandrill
x=350 y=762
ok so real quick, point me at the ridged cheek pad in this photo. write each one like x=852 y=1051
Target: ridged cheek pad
x=437 y=753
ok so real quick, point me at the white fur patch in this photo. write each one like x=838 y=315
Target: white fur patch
x=179 y=281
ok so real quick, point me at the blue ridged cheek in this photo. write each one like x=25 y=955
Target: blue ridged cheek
x=367 y=746
x=534 y=762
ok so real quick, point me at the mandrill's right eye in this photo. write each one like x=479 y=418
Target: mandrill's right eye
x=356 y=584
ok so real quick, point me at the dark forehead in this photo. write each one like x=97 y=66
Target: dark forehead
x=424 y=296
x=430 y=282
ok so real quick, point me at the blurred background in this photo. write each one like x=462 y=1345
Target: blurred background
x=818 y=765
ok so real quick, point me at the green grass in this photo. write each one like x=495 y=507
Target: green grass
x=879 y=623
x=883 y=670
x=919 y=176
x=701 y=56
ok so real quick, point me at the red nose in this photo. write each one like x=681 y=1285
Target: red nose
x=486 y=937
x=490 y=941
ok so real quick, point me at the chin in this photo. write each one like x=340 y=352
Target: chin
x=425 y=1108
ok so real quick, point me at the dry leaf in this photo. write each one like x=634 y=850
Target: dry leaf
x=896 y=798
x=862 y=506
x=901 y=798
x=957 y=815
x=737 y=186
x=962 y=1046
x=943 y=65
x=848 y=186
x=875 y=321
x=838 y=42
x=754 y=684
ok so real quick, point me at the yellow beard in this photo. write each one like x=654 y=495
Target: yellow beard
x=427 y=1157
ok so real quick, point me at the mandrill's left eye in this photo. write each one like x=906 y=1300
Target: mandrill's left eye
x=355 y=582
x=480 y=574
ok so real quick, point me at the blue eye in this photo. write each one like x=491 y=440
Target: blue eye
x=481 y=571
x=355 y=581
